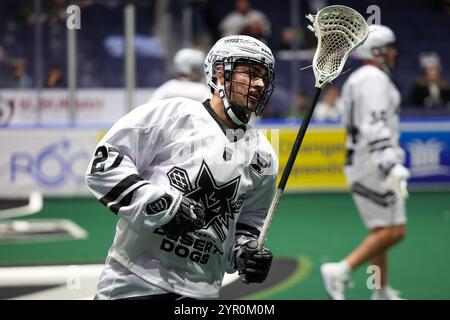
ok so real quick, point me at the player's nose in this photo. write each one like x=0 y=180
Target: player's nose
x=258 y=82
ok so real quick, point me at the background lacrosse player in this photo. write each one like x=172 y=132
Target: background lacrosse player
x=191 y=183
x=189 y=80
x=374 y=169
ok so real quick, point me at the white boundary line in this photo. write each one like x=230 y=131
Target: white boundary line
x=75 y=282
x=34 y=205
x=73 y=229
x=46 y=275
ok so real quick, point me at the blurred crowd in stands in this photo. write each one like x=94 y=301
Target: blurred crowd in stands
x=423 y=62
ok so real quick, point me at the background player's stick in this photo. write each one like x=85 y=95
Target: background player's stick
x=339 y=30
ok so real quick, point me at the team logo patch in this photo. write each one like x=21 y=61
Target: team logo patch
x=159 y=205
x=227 y=154
x=179 y=179
x=259 y=163
x=219 y=200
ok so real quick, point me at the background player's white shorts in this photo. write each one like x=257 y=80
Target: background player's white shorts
x=377 y=205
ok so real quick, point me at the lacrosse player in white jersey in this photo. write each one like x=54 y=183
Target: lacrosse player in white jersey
x=374 y=169
x=188 y=64
x=191 y=184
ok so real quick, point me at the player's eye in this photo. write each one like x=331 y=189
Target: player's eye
x=259 y=75
x=265 y=79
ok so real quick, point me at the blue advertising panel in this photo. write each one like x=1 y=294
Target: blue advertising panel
x=427 y=147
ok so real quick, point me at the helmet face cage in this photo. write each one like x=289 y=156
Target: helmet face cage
x=231 y=81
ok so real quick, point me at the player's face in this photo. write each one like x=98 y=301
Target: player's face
x=248 y=84
x=391 y=56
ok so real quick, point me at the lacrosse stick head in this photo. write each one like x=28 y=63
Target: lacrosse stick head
x=339 y=30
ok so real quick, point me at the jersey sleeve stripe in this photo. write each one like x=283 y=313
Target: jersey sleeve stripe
x=380 y=148
x=386 y=167
x=380 y=144
x=126 y=200
x=244 y=227
x=384 y=200
x=372 y=143
x=119 y=188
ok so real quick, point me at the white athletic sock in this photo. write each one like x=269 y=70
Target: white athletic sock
x=345 y=267
x=383 y=289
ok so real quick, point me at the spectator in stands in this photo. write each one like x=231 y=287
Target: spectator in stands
x=279 y=104
x=55 y=78
x=298 y=110
x=430 y=90
x=330 y=107
x=290 y=35
x=18 y=78
x=255 y=29
x=287 y=38
x=57 y=15
x=3 y=67
x=238 y=20
x=88 y=75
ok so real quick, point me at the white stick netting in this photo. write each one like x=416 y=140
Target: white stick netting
x=339 y=30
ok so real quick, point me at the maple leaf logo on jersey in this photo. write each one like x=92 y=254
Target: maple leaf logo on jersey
x=218 y=200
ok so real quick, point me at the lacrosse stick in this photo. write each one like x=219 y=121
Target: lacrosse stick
x=339 y=30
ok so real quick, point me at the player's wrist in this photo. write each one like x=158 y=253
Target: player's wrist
x=252 y=263
x=399 y=171
x=164 y=207
x=189 y=217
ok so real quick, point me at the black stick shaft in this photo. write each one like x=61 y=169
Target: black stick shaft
x=287 y=170
x=299 y=140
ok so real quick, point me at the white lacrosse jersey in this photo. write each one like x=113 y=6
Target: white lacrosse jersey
x=371 y=117
x=182 y=88
x=167 y=149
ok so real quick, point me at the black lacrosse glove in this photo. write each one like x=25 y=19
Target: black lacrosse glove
x=253 y=264
x=189 y=217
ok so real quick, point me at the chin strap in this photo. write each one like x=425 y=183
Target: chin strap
x=234 y=113
x=387 y=69
x=382 y=60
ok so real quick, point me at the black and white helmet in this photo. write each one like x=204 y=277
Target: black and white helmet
x=229 y=51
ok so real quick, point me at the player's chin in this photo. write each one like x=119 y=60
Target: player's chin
x=252 y=103
x=250 y=109
x=391 y=63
